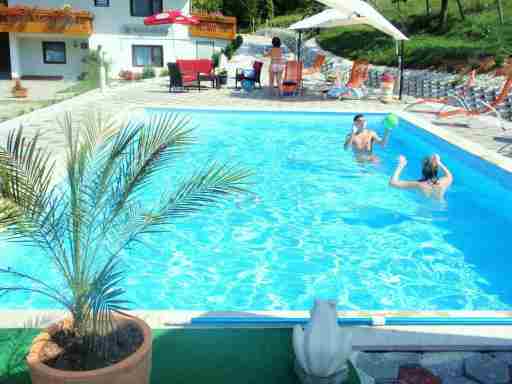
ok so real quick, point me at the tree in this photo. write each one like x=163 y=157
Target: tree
x=83 y=224
x=252 y=9
x=207 y=5
x=269 y=9
x=443 y=15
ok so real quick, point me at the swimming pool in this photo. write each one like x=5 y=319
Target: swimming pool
x=319 y=225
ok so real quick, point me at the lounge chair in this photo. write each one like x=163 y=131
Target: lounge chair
x=316 y=67
x=353 y=89
x=466 y=110
x=255 y=74
x=292 y=81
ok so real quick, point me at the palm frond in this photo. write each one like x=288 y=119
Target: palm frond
x=84 y=223
x=39 y=287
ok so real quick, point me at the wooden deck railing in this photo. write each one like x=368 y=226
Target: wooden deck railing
x=45 y=20
x=214 y=27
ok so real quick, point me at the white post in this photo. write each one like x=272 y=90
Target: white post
x=15 y=58
x=103 y=74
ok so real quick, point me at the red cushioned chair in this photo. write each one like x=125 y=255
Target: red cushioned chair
x=206 y=71
x=189 y=73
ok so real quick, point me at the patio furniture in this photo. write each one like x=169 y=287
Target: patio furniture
x=206 y=71
x=292 y=81
x=316 y=67
x=194 y=71
x=353 y=89
x=175 y=80
x=488 y=104
x=255 y=76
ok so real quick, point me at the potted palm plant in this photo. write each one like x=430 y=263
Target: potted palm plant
x=82 y=225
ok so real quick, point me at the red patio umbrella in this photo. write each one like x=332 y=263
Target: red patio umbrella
x=171 y=17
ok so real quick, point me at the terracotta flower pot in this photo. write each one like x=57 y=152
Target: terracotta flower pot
x=135 y=369
x=20 y=92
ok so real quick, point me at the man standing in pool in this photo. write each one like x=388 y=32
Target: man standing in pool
x=430 y=184
x=362 y=139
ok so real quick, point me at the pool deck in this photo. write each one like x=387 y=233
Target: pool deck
x=488 y=142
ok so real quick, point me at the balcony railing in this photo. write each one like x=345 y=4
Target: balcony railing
x=214 y=26
x=45 y=20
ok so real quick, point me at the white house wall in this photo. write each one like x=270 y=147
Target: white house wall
x=30 y=54
x=110 y=31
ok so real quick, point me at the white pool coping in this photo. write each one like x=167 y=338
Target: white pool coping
x=413 y=337
x=381 y=338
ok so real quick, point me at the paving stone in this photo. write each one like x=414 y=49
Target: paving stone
x=503 y=356
x=417 y=375
x=486 y=369
x=458 y=380
x=385 y=366
x=445 y=364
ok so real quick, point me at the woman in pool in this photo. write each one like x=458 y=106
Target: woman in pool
x=430 y=184
x=276 y=65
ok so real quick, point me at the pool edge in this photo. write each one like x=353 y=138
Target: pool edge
x=377 y=338
x=458 y=141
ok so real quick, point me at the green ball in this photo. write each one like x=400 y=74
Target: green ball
x=391 y=121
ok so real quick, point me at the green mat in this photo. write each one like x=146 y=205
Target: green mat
x=188 y=356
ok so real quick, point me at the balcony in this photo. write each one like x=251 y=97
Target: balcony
x=214 y=26
x=65 y=21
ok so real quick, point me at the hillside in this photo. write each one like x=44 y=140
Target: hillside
x=461 y=41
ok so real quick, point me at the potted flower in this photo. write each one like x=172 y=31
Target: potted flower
x=222 y=75
x=19 y=91
x=387 y=84
x=81 y=227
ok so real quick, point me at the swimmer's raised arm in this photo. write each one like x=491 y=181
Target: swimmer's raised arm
x=395 y=179
x=447 y=179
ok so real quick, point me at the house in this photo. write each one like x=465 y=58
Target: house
x=47 y=38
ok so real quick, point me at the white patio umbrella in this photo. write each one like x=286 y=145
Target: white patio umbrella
x=366 y=11
x=351 y=12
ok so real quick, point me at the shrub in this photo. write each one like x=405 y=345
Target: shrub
x=239 y=40
x=164 y=72
x=148 y=72
x=285 y=21
x=216 y=59
x=232 y=47
x=92 y=68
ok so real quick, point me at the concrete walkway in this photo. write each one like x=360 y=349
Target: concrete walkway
x=150 y=93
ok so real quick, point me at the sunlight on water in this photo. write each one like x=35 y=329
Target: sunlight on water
x=319 y=225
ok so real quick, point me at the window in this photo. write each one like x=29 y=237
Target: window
x=54 y=52
x=147 y=55
x=102 y=3
x=143 y=8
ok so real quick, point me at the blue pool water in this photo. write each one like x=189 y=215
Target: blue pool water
x=319 y=225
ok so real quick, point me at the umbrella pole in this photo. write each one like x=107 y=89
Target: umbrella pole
x=299 y=46
x=401 y=66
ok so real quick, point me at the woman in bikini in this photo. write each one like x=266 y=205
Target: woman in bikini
x=430 y=184
x=276 y=69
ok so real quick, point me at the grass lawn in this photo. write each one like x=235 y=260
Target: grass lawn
x=81 y=87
